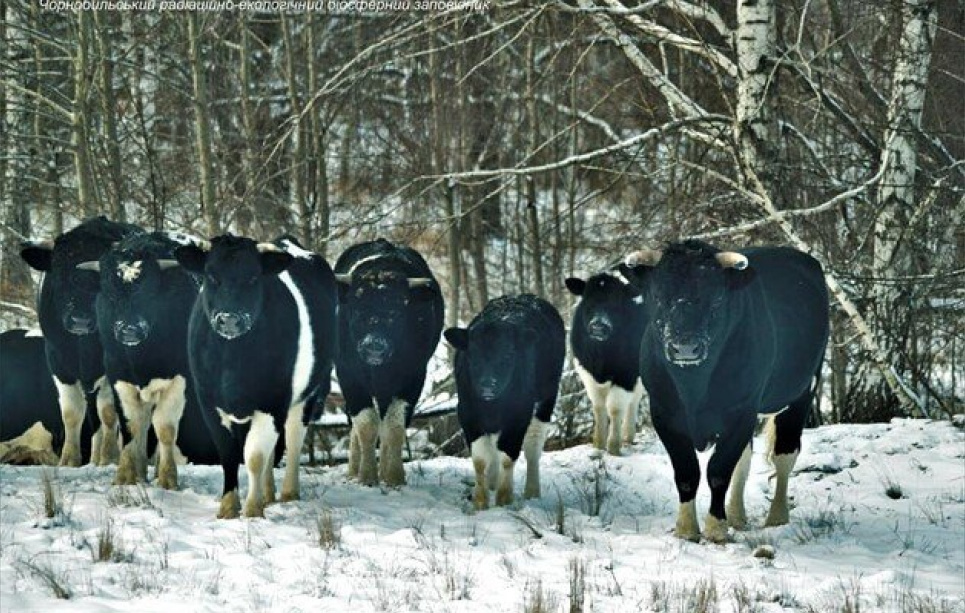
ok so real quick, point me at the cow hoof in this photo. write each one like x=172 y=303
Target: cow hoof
x=126 y=475
x=693 y=537
x=504 y=498
x=394 y=480
x=531 y=493
x=715 y=530
x=614 y=450
x=737 y=523
x=168 y=479
x=480 y=499
x=776 y=519
x=229 y=506
x=70 y=457
x=368 y=477
x=289 y=496
x=110 y=453
x=254 y=509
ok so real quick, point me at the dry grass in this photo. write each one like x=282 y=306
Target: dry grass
x=56 y=581
x=537 y=600
x=328 y=530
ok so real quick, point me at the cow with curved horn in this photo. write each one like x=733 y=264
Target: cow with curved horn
x=74 y=353
x=261 y=343
x=143 y=304
x=730 y=336
x=390 y=321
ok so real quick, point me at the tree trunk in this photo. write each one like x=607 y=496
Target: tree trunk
x=453 y=219
x=251 y=186
x=86 y=197
x=299 y=203
x=319 y=140
x=209 y=209
x=115 y=178
x=532 y=213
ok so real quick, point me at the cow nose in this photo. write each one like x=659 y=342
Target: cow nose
x=374 y=349
x=230 y=325
x=687 y=350
x=131 y=334
x=80 y=324
x=599 y=328
x=487 y=387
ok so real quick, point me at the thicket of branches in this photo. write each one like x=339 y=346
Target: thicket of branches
x=526 y=143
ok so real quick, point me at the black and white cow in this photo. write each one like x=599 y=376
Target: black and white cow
x=390 y=319
x=27 y=391
x=143 y=306
x=261 y=343
x=509 y=362
x=730 y=336
x=605 y=336
x=74 y=352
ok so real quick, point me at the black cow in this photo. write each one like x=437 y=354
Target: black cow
x=27 y=391
x=390 y=318
x=730 y=336
x=74 y=352
x=143 y=306
x=508 y=367
x=260 y=344
x=605 y=337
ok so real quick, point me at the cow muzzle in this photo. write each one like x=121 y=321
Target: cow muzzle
x=80 y=325
x=374 y=350
x=599 y=328
x=133 y=333
x=690 y=352
x=231 y=325
x=488 y=388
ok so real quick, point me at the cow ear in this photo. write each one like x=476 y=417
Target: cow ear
x=191 y=258
x=274 y=262
x=575 y=285
x=457 y=337
x=37 y=255
x=739 y=279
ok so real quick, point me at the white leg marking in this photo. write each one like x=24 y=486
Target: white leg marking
x=715 y=530
x=687 y=526
x=779 y=514
x=630 y=419
x=305 y=356
x=259 y=453
x=365 y=426
x=504 y=493
x=736 y=514
x=484 y=460
x=166 y=419
x=294 y=439
x=391 y=442
x=73 y=406
x=533 y=449
x=618 y=403
x=354 y=452
x=109 y=452
x=132 y=466
x=597 y=393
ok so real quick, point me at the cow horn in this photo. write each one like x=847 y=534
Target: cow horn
x=92 y=265
x=415 y=282
x=165 y=264
x=644 y=257
x=731 y=259
x=182 y=238
x=345 y=279
x=268 y=248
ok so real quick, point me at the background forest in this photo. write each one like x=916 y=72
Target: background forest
x=528 y=142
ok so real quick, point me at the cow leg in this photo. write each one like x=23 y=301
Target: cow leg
x=365 y=426
x=617 y=405
x=597 y=393
x=533 y=449
x=166 y=419
x=294 y=439
x=686 y=472
x=736 y=514
x=259 y=453
x=484 y=458
x=391 y=441
x=783 y=433
x=720 y=469
x=504 y=492
x=132 y=466
x=630 y=417
x=354 y=452
x=73 y=406
x=109 y=451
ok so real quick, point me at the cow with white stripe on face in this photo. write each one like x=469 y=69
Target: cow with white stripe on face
x=144 y=300
x=605 y=336
x=390 y=321
x=261 y=342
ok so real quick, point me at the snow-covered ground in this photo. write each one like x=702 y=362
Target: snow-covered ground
x=849 y=547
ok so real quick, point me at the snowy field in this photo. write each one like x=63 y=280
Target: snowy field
x=878 y=524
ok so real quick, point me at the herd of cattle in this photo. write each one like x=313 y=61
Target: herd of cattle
x=209 y=350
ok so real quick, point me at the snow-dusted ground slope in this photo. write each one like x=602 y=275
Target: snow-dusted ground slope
x=850 y=546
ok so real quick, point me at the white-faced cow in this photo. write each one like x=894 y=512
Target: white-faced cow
x=27 y=391
x=730 y=336
x=260 y=344
x=143 y=305
x=74 y=352
x=508 y=367
x=390 y=319
x=605 y=337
